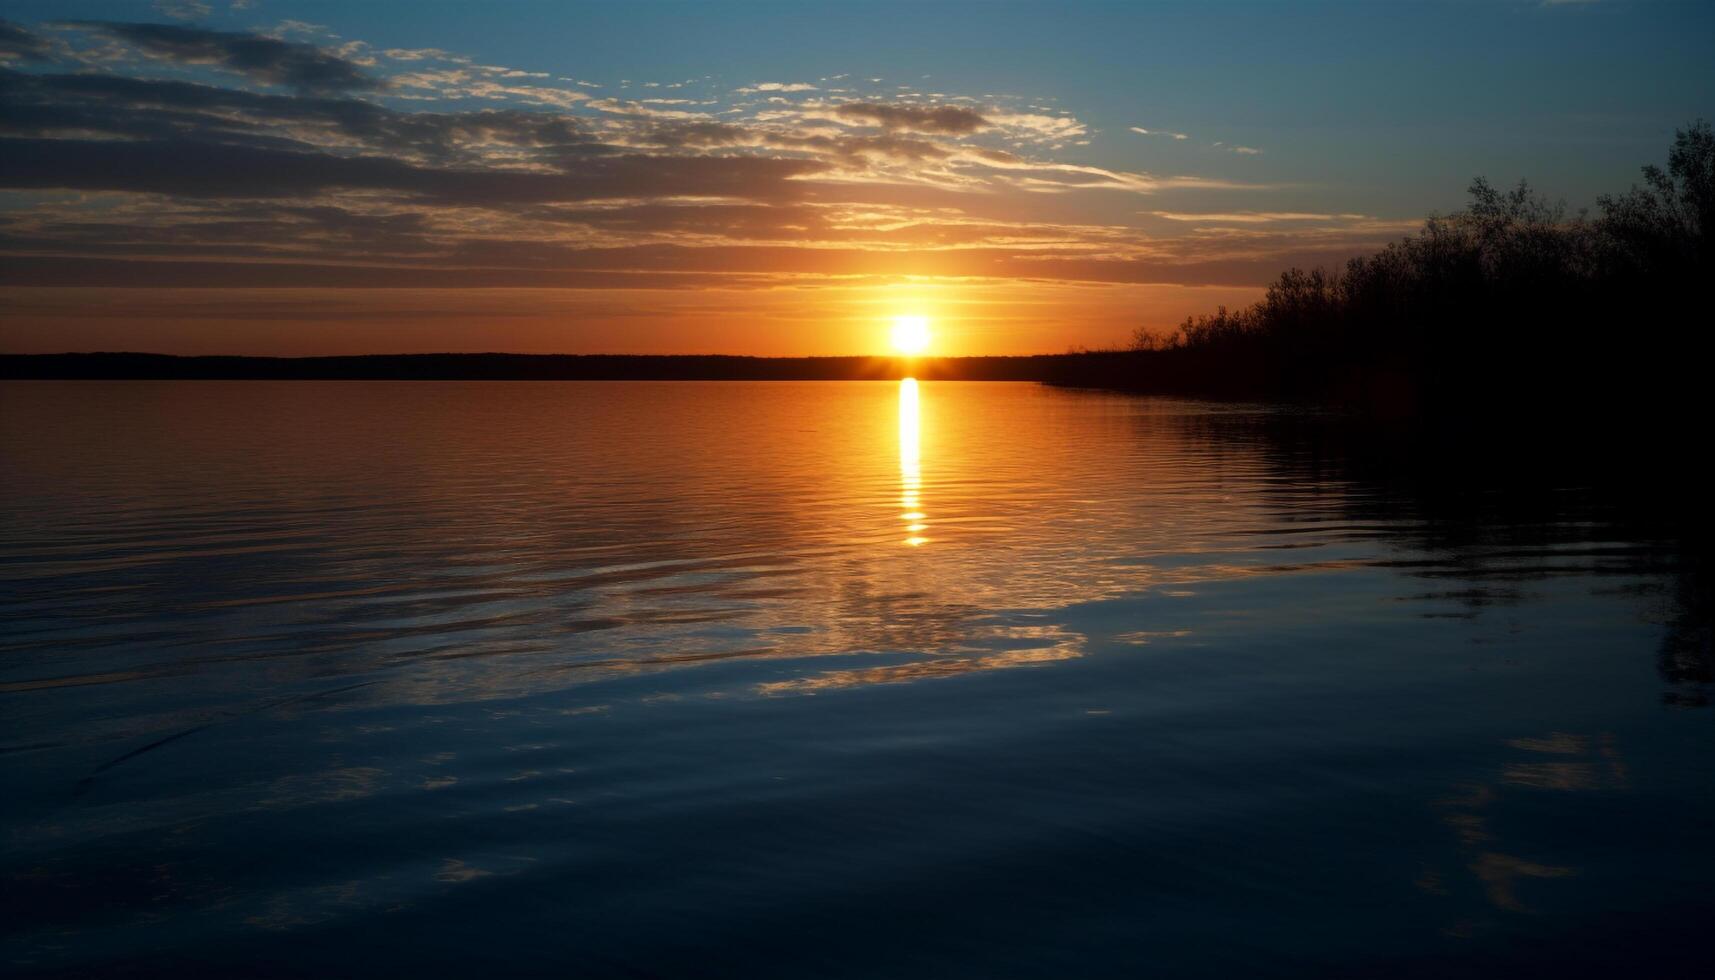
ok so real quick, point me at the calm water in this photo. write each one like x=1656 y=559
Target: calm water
x=822 y=680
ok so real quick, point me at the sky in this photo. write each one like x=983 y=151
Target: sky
x=290 y=177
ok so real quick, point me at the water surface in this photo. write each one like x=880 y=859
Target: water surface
x=823 y=679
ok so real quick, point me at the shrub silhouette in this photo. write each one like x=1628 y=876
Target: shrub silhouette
x=1509 y=309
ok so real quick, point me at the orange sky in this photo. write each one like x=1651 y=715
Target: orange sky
x=966 y=318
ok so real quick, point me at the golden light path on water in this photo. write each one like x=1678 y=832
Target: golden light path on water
x=911 y=463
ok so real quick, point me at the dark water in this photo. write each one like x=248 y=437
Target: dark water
x=824 y=680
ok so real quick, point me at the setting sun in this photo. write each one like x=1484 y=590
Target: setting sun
x=910 y=334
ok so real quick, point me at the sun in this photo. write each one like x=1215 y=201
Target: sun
x=910 y=334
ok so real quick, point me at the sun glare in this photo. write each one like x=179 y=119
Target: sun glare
x=910 y=334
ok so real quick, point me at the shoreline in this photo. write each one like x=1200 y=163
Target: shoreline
x=136 y=366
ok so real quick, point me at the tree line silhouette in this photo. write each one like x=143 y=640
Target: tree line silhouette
x=1508 y=306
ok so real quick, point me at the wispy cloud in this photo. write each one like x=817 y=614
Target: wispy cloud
x=1056 y=128
x=778 y=87
x=301 y=66
x=20 y=44
x=1255 y=217
x=1249 y=151
x=183 y=9
x=297 y=157
x=945 y=119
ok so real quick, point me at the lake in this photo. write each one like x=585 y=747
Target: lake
x=827 y=680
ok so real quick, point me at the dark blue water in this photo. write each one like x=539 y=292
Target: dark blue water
x=825 y=680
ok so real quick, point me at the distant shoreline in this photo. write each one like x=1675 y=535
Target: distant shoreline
x=121 y=366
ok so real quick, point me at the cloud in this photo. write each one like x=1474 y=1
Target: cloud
x=947 y=120
x=777 y=87
x=182 y=9
x=422 y=54
x=1049 y=127
x=296 y=65
x=17 y=43
x=1257 y=217
x=352 y=173
x=207 y=170
x=639 y=109
x=1249 y=151
x=672 y=266
x=303 y=27
x=471 y=83
x=93 y=106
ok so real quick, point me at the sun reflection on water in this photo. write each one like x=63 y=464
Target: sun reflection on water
x=911 y=463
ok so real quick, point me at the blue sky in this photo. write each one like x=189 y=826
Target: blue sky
x=1389 y=102
x=1367 y=116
